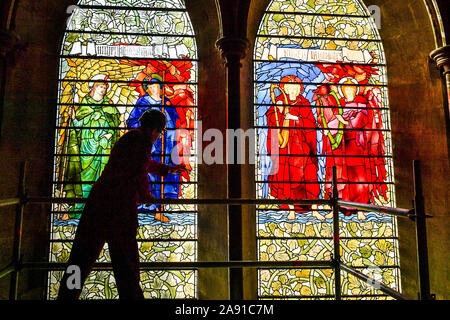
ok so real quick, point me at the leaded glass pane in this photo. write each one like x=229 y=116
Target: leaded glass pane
x=173 y=4
x=321 y=100
x=299 y=283
x=315 y=7
x=170 y=284
x=296 y=25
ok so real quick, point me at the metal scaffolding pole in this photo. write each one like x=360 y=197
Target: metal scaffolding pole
x=192 y=265
x=229 y=201
x=399 y=212
x=376 y=284
x=9 y=202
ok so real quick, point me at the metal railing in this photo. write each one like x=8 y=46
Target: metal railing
x=417 y=214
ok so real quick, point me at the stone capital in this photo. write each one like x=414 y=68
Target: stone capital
x=441 y=56
x=232 y=49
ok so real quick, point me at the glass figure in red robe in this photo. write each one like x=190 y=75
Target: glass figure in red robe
x=355 y=142
x=376 y=147
x=352 y=105
x=295 y=174
x=330 y=118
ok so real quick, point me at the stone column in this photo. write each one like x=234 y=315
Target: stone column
x=233 y=49
x=441 y=56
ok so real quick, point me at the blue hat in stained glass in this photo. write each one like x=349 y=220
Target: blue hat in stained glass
x=153 y=78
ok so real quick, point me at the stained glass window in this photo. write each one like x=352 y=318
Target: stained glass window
x=113 y=53
x=320 y=91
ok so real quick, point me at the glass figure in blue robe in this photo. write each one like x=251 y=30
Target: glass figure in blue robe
x=162 y=149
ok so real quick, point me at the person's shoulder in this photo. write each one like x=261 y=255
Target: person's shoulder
x=133 y=134
x=128 y=138
x=131 y=139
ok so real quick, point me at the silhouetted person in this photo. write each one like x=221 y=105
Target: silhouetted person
x=110 y=214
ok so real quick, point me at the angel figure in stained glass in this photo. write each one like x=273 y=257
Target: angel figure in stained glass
x=357 y=154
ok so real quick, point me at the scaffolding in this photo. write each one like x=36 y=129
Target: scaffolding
x=417 y=214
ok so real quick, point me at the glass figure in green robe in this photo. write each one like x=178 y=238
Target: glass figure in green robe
x=93 y=134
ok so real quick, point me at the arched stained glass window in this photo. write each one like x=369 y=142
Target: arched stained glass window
x=113 y=53
x=321 y=98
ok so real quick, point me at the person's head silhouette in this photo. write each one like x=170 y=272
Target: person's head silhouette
x=153 y=122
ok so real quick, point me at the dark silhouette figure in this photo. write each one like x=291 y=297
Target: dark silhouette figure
x=110 y=214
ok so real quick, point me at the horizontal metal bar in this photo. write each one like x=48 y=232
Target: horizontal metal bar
x=190 y=265
x=294 y=238
x=324 y=84
x=158 y=182
x=323 y=155
x=9 y=202
x=325 y=238
x=134 y=8
x=68 y=56
x=107 y=155
x=138 y=240
x=256 y=127
x=315 y=38
x=80 y=57
x=322 y=62
x=257 y=154
x=277 y=209
x=357 y=296
x=324 y=182
x=323 y=129
x=139 y=211
x=316 y=106
x=316 y=14
x=368 y=207
x=116 y=128
x=368 y=238
x=237 y=201
x=296 y=297
x=194 y=83
x=109 y=33
x=121 y=105
x=8 y=269
x=260 y=238
x=381 y=267
x=378 y=285
x=365 y=207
